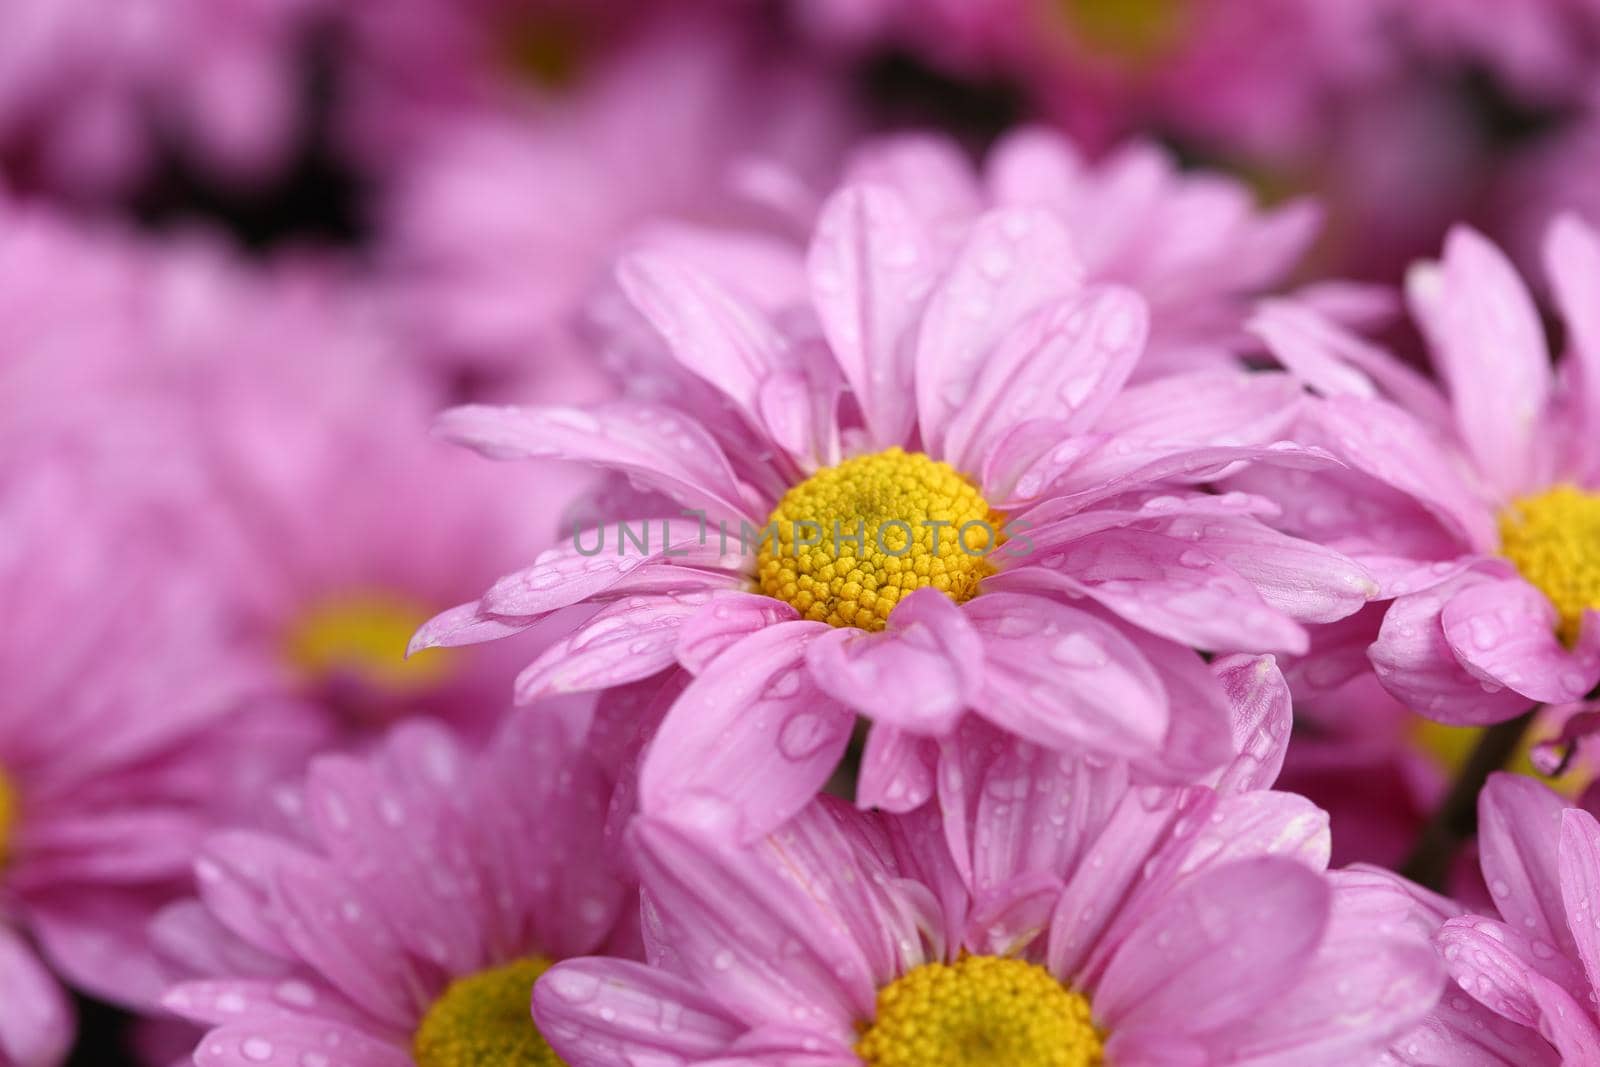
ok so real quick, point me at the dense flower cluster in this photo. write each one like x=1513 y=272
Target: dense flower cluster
x=800 y=533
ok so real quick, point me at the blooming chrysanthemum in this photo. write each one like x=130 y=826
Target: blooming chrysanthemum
x=901 y=484
x=1085 y=922
x=401 y=919
x=1528 y=973
x=301 y=472
x=91 y=94
x=1477 y=506
x=505 y=217
x=106 y=765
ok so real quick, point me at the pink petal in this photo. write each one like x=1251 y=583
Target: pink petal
x=919 y=675
x=1263 y=715
x=1504 y=632
x=1579 y=863
x=871 y=269
x=1199 y=734
x=897 y=770
x=1172 y=587
x=711 y=331
x=798 y=926
x=731 y=617
x=1416 y=664
x=1572 y=263
x=1116 y=468
x=752 y=739
x=36 y=1026
x=294 y=1043
x=1491 y=350
x=1063 y=679
x=1519 y=828
x=463 y=625
x=1063 y=363
x=931 y=172
x=625 y=563
x=1214 y=407
x=625 y=641
x=1218 y=949
x=656 y=447
x=616 y=1013
x=1013 y=261
x=1492 y=962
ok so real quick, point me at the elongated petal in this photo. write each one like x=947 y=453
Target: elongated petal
x=462 y=625
x=1416 y=664
x=871 y=269
x=1061 y=678
x=919 y=675
x=731 y=617
x=1519 y=831
x=617 y=1013
x=624 y=642
x=1579 y=864
x=752 y=739
x=715 y=334
x=36 y=1025
x=1491 y=351
x=292 y=1043
x=1504 y=632
x=1263 y=715
x=1064 y=363
x=1572 y=263
x=897 y=770
x=656 y=447
x=1219 y=948
x=1013 y=261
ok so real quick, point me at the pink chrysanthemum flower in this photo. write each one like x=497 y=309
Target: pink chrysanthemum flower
x=90 y=93
x=504 y=219
x=403 y=916
x=1528 y=973
x=296 y=460
x=954 y=396
x=118 y=686
x=1476 y=506
x=1084 y=922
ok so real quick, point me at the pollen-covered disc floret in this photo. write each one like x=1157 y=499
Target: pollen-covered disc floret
x=978 y=1012
x=1554 y=541
x=846 y=544
x=486 y=1020
x=8 y=816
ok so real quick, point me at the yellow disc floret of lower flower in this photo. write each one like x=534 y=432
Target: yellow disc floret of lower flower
x=486 y=1020
x=846 y=544
x=1553 y=539
x=1135 y=31
x=8 y=816
x=981 y=1011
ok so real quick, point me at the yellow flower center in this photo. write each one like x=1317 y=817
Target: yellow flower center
x=1136 y=30
x=847 y=543
x=8 y=816
x=1554 y=541
x=981 y=1011
x=547 y=51
x=364 y=637
x=486 y=1020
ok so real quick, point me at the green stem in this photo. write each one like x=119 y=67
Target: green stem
x=1456 y=819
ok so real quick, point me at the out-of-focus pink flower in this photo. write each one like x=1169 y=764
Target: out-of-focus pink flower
x=90 y=92
x=119 y=680
x=1475 y=506
x=951 y=376
x=1528 y=971
x=294 y=450
x=1079 y=919
x=503 y=218
x=406 y=910
x=1543 y=51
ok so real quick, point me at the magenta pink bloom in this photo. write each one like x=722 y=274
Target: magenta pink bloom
x=962 y=373
x=504 y=218
x=1079 y=920
x=90 y=91
x=294 y=456
x=1527 y=973
x=409 y=903
x=118 y=683
x=1476 y=506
